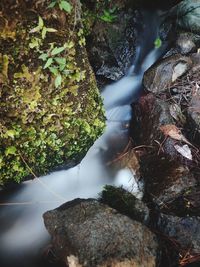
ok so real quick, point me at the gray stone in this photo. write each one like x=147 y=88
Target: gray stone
x=98 y=235
x=187 y=14
x=193 y=112
x=161 y=75
x=111 y=46
x=185 y=231
x=126 y=203
x=166 y=181
x=185 y=43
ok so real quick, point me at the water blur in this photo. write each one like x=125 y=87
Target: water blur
x=22 y=233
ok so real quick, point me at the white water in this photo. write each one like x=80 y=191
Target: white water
x=23 y=230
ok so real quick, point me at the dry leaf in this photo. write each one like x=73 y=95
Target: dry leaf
x=184 y=151
x=172 y=131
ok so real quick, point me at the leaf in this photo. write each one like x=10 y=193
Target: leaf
x=40 y=23
x=51 y=30
x=36 y=29
x=48 y=63
x=57 y=50
x=66 y=6
x=54 y=70
x=58 y=81
x=172 y=131
x=184 y=151
x=60 y=60
x=43 y=56
x=69 y=45
x=34 y=43
x=44 y=32
x=11 y=150
x=10 y=133
x=61 y=67
x=158 y=42
x=52 y=4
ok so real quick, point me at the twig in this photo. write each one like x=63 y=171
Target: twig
x=41 y=182
x=27 y=203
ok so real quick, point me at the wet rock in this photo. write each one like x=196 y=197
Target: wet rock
x=185 y=43
x=111 y=46
x=98 y=236
x=193 y=112
x=166 y=180
x=150 y=115
x=183 y=230
x=187 y=15
x=126 y=203
x=162 y=74
x=37 y=117
x=183 y=89
x=187 y=204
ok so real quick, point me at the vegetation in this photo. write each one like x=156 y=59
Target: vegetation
x=51 y=111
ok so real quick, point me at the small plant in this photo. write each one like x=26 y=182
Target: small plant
x=63 y=5
x=55 y=63
x=42 y=28
x=109 y=15
x=158 y=42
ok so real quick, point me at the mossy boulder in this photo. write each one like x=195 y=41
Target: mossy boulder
x=50 y=110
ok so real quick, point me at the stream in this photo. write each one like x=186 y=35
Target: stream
x=23 y=236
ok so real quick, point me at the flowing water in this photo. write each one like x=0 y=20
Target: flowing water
x=22 y=232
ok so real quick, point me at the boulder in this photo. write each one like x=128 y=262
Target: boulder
x=185 y=231
x=187 y=42
x=51 y=110
x=187 y=204
x=187 y=15
x=111 y=44
x=161 y=75
x=99 y=236
x=126 y=203
x=193 y=112
x=166 y=162
x=166 y=181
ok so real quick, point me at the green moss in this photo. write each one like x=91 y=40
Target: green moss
x=41 y=126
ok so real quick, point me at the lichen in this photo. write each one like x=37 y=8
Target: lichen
x=43 y=126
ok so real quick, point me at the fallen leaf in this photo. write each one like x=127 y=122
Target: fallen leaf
x=184 y=151
x=172 y=131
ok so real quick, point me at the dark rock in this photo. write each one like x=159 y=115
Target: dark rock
x=193 y=112
x=111 y=46
x=161 y=75
x=164 y=168
x=184 y=231
x=97 y=235
x=126 y=203
x=187 y=204
x=151 y=114
x=185 y=43
x=187 y=15
x=166 y=181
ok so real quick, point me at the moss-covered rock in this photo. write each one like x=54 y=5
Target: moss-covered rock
x=50 y=110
